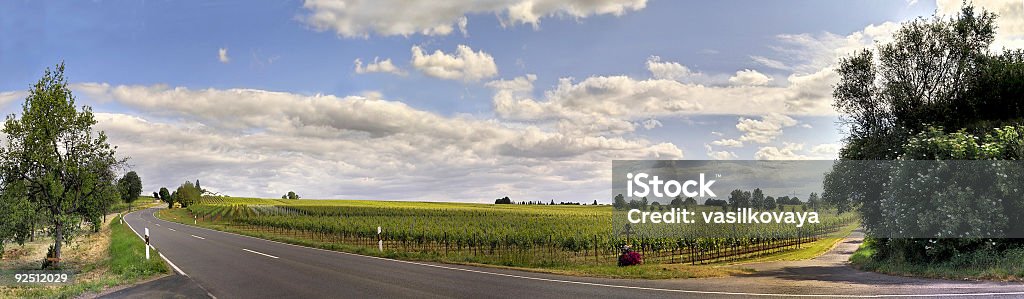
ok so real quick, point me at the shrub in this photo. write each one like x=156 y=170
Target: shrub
x=630 y=258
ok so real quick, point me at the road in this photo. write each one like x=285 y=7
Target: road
x=233 y=266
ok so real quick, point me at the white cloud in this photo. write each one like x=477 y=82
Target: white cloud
x=6 y=97
x=247 y=142
x=788 y=151
x=463 y=23
x=826 y=149
x=719 y=155
x=728 y=143
x=1010 y=24
x=667 y=70
x=222 y=55
x=464 y=64
x=749 y=78
x=360 y=18
x=765 y=130
x=650 y=124
x=518 y=85
x=377 y=66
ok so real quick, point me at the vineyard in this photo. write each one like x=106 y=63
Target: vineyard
x=496 y=234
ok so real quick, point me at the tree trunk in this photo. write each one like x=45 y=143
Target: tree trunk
x=58 y=241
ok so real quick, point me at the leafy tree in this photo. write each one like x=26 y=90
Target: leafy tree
x=689 y=202
x=503 y=201
x=165 y=196
x=186 y=194
x=156 y=195
x=677 y=202
x=769 y=203
x=130 y=188
x=56 y=162
x=739 y=198
x=757 y=199
x=619 y=202
x=595 y=202
x=291 y=195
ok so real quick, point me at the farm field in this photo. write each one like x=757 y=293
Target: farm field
x=565 y=239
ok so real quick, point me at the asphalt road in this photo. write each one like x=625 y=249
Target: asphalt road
x=233 y=266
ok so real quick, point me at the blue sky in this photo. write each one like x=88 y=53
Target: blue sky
x=153 y=68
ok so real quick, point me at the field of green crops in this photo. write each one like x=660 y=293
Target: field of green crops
x=513 y=235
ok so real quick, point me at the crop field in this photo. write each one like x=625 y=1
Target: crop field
x=512 y=235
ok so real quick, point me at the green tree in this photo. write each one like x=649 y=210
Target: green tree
x=619 y=202
x=165 y=196
x=186 y=194
x=291 y=195
x=130 y=188
x=769 y=203
x=757 y=199
x=56 y=162
x=677 y=202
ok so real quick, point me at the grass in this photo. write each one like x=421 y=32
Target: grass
x=124 y=263
x=128 y=255
x=980 y=265
x=806 y=251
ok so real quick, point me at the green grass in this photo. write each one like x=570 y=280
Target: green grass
x=980 y=265
x=128 y=255
x=126 y=264
x=806 y=251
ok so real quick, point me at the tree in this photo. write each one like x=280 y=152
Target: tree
x=186 y=194
x=56 y=162
x=689 y=202
x=595 y=202
x=757 y=199
x=165 y=196
x=291 y=195
x=503 y=201
x=130 y=188
x=739 y=198
x=156 y=195
x=769 y=203
x=619 y=202
x=552 y=202
x=677 y=202
x=200 y=188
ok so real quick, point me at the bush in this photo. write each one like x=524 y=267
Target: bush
x=630 y=258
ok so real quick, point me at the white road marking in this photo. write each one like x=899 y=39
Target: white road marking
x=198 y=237
x=161 y=254
x=157 y=224
x=171 y=229
x=260 y=253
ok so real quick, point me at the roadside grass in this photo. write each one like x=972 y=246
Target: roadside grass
x=646 y=271
x=806 y=251
x=981 y=265
x=128 y=255
x=124 y=263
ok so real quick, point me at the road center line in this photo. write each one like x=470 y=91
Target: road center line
x=260 y=253
x=171 y=229
x=198 y=237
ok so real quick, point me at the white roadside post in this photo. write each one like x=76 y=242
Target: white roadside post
x=195 y=219
x=146 y=243
x=380 y=241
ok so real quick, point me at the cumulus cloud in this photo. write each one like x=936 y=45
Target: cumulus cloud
x=795 y=151
x=263 y=143
x=222 y=55
x=765 y=130
x=749 y=78
x=728 y=143
x=464 y=64
x=1010 y=31
x=650 y=124
x=668 y=70
x=377 y=66
x=360 y=18
x=719 y=155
